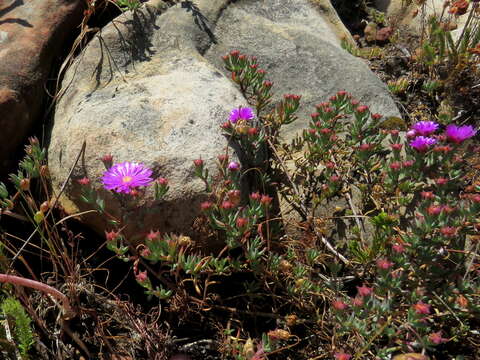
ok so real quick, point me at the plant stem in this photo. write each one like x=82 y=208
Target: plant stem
x=17 y=280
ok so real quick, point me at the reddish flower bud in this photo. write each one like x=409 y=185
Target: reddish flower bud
x=362 y=108
x=153 y=235
x=255 y=196
x=422 y=308
x=25 y=184
x=267 y=84
x=227 y=205
x=436 y=338
x=397 y=165
x=162 y=181
x=364 y=290
x=427 y=195
x=398 y=248
x=241 y=222
x=145 y=252
x=461 y=301
x=376 y=116
x=107 y=161
x=198 y=162
x=434 y=210
x=222 y=158
x=141 y=276
x=206 y=205
x=234 y=196
x=226 y=125
x=408 y=163
x=342 y=356
x=253 y=131
x=266 y=200
x=357 y=301
x=134 y=192
x=84 y=181
x=112 y=235
x=441 y=181
x=339 y=305
x=475 y=198
x=365 y=147
x=448 y=231
x=384 y=264
x=396 y=147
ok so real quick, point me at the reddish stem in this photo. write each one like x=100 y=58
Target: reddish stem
x=17 y=280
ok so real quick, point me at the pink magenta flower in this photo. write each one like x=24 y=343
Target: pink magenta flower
x=233 y=166
x=125 y=177
x=422 y=143
x=425 y=128
x=458 y=134
x=241 y=113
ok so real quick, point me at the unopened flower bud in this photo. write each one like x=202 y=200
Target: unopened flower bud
x=255 y=196
x=112 y=235
x=25 y=184
x=184 y=241
x=44 y=172
x=44 y=206
x=291 y=320
x=234 y=196
x=38 y=217
x=198 y=162
x=84 y=181
x=285 y=266
x=145 y=252
x=362 y=108
x=206 y=205
x=162 y=181
x=107 y=160
x=241 y=222
x=141 y=276
x=222 y=158
x=226 y=205
x=266 y=200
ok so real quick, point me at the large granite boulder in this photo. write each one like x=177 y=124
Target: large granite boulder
x=141 y=92
x=150 y=88
x=32 y=36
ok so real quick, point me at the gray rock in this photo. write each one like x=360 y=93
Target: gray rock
x=141 y=92
x=300 y=53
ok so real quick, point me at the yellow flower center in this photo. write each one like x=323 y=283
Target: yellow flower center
x=126 y=179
